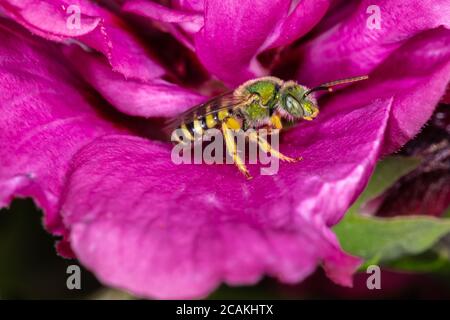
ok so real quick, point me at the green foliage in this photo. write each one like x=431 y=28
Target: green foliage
x=407 y=243
x=384 y=239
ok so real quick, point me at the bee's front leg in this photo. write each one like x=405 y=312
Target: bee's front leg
x=228 y=125
x=275 y=121
x=266 y=147
x=274 y=126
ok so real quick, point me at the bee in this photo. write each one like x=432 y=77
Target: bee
x=266 y=102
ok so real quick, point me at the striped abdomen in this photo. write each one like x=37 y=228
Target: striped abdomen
x=195 y=127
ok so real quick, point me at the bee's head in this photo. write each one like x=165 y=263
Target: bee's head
x=296 y=102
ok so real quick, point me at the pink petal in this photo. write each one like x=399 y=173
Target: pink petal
x=350 y=47
x=191 y=5
x=233 y=34
x=159 y=12
x=46 y=116
x=160 y=230
x=34 y=15
x=155 y=98
x=415 y=76
x=236 y=31
x=181 y=23
x=300 y=19
x=99 y=29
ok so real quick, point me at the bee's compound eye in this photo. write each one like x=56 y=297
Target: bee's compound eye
x=292 y=105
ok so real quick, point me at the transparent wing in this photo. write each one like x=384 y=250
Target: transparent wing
x=227 y=100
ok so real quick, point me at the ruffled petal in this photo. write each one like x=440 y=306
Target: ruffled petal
x=159 y=12
x=227 y=49
x=180 y=22
x=415 y=76
x=235 y=32
x=46 y=115
x=155 y=98
x=35 y=15
x=162 y=230
x=301 y=17
x=98 y=29
x=360 y=42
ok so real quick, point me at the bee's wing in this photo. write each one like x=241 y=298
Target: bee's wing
x=227 y=100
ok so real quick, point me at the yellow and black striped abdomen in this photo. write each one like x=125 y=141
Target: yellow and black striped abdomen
x=196 y=127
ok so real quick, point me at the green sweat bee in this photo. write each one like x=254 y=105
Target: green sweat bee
x=266 y=102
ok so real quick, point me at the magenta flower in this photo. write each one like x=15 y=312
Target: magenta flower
x=144 y=224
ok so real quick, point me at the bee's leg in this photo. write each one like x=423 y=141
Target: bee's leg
x=231 y=146
x=266 y=147
x=275 y=120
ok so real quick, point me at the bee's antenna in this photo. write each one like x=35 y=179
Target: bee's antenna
x=329 y=85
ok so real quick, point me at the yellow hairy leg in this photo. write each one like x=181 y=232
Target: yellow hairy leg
x=266 y=147
x=231 y=146
x=275 y=120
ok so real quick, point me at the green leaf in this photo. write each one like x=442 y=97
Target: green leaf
x=383 y=240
